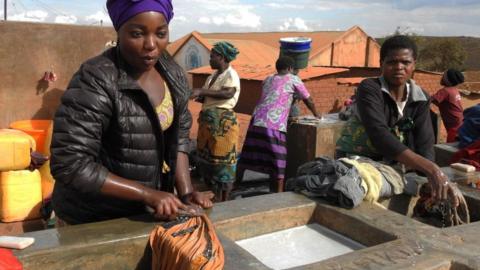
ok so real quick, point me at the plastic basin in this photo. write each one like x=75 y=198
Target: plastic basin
x=35 y=128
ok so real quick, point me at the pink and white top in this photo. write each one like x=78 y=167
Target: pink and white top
x=277 y=95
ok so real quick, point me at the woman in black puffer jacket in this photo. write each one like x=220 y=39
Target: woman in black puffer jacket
x=120 y=136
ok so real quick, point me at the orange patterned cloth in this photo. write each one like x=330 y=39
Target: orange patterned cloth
x=187 y=243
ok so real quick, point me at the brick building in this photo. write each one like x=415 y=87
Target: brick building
x=329 y=86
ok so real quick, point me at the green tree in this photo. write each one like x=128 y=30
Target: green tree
x=442 y=53
x=435 y=54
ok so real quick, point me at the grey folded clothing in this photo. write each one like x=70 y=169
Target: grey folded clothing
x=333 y=180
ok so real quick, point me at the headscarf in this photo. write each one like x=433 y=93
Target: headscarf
x=122 y=10
x=226 y=49
x=452 y=77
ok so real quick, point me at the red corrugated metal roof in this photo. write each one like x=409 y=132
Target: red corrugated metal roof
x=313 y=72
x=259 y=73
x=320 y=39
x=260 y=48
x=251 y=52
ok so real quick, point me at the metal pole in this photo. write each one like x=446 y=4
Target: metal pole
x=5 y=10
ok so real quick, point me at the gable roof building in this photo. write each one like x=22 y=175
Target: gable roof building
x=352 y=47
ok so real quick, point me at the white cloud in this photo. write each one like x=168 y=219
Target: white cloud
x=243 y=18
x=300 y=24
x=294 y=24
x=29 y=16
x=204 y=20
x=284 y=6
x=426 y=20
x=230 y=15
x=67 y=19
x=239 y=18
x=218 y=20
x=98 y=17
x=179 y=19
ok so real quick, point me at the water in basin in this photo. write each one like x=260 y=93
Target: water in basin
x=298 y=246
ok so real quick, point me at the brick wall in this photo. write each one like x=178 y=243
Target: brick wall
x=327 y=93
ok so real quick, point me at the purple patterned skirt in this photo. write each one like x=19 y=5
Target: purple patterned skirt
x=265 y=151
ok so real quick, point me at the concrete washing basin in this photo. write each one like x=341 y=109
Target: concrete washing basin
x=391 y=240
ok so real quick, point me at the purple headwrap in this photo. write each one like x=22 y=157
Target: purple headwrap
x=122 y=10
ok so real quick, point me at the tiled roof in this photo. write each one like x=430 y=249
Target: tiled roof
x=259 y=73
x=175 y=46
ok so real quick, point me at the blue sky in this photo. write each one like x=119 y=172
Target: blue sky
x=377 y=17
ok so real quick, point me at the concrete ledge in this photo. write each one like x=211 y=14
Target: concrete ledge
x=394 y=241
x=444 y=152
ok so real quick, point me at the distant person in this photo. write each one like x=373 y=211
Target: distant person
x=469 y=131
x=217 y=123
x=264 y=149
x=346 y=110
x=448 y=100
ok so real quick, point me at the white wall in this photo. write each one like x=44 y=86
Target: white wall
x=191 y=49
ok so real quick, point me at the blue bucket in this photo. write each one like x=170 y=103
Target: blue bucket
x=295 y=44
x=298 y=48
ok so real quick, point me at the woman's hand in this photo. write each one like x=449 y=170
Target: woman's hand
x=204 y=199
x=165 y=205
x=37 y=160
x=440 y=184
x=443 y=189
x=455 y=196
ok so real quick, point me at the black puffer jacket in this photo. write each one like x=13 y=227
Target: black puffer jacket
x=381 y=114
x=106 y=123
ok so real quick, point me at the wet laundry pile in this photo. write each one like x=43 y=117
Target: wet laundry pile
x=347 y=182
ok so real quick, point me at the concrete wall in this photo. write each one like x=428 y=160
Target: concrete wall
x=192 y=47
x=350 y=51
x=323 y=58
x=373 y=53
x=27 y=50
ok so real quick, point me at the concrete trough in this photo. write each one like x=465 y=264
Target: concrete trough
x=392 y=240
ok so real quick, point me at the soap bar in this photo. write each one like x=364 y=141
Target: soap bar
x=463 y=167
x=16 y=242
